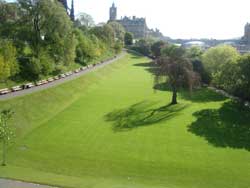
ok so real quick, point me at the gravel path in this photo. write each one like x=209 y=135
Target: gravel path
x=57 y=82
x=18 y=184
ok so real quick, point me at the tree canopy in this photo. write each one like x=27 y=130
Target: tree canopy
x=176 y=69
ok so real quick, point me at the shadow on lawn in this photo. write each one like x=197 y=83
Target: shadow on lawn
x=228 y=126
x=142 y=114
x=149 y=64
x=198 y=95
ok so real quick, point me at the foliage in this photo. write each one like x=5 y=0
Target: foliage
x=143 y=46
x=176 y=69
x=218 y=60
x=45 y=39
x=8 y=63
x=84 y=20
x=118 y=30
x=105 y=33
x=118 y=47
x=8 y=19
x=200 y=69
x=195 y=55
x=241 y=85
x=128 y=38
x=157 y=47
x=5 y=131
x=47 y=63
x=85 y=49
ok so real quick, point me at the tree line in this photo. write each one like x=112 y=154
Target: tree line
x=221 y=66
x=37 y=39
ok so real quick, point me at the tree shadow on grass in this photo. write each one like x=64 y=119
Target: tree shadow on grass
x=150 y=67
x=142 y=114
x=198 y=95
x=228 y=126
x=135 y=54
x=148 y=64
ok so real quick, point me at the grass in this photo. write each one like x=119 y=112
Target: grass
x=110 y=129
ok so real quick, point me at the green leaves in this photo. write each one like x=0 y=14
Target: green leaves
x=8 y=63
x=6 y=133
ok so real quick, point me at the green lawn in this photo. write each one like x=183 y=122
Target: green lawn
x=110 y=129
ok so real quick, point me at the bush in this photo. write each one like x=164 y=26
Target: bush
x=199 y=68
x=47 y=63
x=128 y=38
x=8 y=63
x=118 y=47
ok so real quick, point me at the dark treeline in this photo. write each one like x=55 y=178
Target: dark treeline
x=37 y=39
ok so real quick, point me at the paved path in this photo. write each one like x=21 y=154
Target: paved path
x=57 y=82
x=18 y=184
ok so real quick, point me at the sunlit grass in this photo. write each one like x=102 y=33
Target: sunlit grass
x=110 y=129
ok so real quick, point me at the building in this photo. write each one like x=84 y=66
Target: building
x=113 y=13
x=246 y=38
x=137 y=26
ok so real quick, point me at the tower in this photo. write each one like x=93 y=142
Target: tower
x=246 y=37
x=72 y=11
x=112 y=13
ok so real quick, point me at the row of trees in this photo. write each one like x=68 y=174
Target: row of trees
x=229 y=70
x=37 y=38
x=221 y=66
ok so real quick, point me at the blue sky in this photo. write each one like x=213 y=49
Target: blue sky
x=178 y=18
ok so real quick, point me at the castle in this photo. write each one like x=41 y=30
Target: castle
x=137 y=26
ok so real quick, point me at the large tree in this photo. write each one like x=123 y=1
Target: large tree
x=105 y=33
x=220 y=62
x=241 y=85
x=157 y=47
x=195 y=55
x=48 y=27
x=128 y=38
x=176 y=70
x=119 y=30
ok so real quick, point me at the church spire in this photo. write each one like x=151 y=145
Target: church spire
x=72 y=11
x=112 y=13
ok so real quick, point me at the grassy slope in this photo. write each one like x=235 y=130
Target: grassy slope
x=110 y=129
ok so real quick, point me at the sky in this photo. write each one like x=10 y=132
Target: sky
x=219 y=19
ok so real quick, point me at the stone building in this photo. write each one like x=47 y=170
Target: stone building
x=137 y=26
x=246 y=37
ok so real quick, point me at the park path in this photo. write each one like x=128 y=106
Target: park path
x=18 y=184
x=60 y=81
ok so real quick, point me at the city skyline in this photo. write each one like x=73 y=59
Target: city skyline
x=178 y=19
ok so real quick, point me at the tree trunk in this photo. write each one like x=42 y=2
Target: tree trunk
x=4 y=153
x=174 y=97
